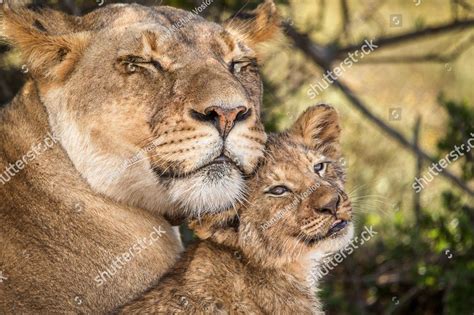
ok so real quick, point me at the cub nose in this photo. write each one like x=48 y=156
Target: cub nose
x=223 y=118
x=330 y=207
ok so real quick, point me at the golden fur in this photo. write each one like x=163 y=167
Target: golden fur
x=123 y=101
x=258 y=260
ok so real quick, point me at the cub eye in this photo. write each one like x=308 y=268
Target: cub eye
x=278 y=190
x=320 y=167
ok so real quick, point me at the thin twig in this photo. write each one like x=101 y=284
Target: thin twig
x=419 y=166
x=403 y=38
x=346 y=19
x=453 y=55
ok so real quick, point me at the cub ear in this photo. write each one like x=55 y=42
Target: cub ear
x=318 y=128
x=47 y=54
x=257 y=26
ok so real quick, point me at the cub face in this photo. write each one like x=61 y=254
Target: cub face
x=296 y=208
x=297 y=204
x=151 y=114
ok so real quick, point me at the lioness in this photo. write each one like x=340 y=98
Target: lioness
x=258 y=260
x=144 y=112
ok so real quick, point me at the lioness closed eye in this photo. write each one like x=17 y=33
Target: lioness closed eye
x=259 y=260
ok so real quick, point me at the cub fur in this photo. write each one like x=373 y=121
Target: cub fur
x=125 y=101
x=258 y=260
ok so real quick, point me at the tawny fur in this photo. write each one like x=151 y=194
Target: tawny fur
x=127 y=149
x=243 y=264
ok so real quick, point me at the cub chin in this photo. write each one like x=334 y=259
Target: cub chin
x=258 y=258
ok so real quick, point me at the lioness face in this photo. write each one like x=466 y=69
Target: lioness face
x=157 y=112
x=299 y=191
x=189 y=103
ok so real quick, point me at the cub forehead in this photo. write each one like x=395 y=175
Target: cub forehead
x=285 y=150
x=289 y=160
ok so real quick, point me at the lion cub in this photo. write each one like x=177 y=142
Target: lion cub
x=257 y=260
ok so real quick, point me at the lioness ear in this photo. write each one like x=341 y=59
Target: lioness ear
x=257 y=26
x=318 y=127
x=46 y=54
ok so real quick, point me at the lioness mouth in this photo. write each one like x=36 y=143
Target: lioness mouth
x=219 y=164
x=222 y=159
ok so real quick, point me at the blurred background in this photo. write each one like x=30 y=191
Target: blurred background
x=404 y=105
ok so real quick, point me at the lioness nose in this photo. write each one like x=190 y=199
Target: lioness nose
x=331 y=206
x=224 y=119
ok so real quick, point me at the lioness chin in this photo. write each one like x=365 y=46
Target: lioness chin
x=258 y=260
x=146 y=117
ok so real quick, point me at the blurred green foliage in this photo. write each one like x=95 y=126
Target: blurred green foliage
x=460 y=128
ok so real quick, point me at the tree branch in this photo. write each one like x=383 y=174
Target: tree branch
x=318 y=55
x=406 y=59
x=322 y=55
x=392 y=40
x=466 y=6
x=410 y=294
x=456 y=52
